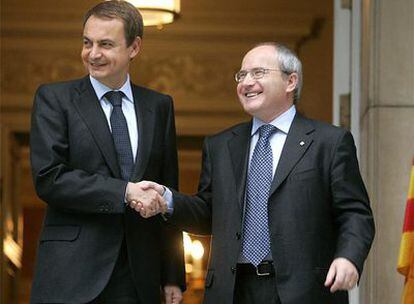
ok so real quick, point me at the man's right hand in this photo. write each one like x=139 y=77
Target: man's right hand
x=146 y=198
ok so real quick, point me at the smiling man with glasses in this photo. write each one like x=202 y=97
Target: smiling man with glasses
x=282 y=196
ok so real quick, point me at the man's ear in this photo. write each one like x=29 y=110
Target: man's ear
x=292 y=82
x=135 y=47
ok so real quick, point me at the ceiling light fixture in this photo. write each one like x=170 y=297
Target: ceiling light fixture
x=157 y=12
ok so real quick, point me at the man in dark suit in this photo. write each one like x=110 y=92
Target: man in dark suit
x=281 y=195
x=89 y=139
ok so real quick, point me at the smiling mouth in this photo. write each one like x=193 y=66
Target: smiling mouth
x=252 y=94
x=96 y=64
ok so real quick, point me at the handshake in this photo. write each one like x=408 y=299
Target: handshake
x=146 y=198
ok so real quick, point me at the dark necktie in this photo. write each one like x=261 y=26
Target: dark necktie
x=120 y=134
x=256 y=238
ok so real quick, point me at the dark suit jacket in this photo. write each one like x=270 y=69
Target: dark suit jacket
x=318 y=210
x=75 y=171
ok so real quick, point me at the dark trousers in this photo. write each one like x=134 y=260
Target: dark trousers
x=253 y=289
x=120 y=288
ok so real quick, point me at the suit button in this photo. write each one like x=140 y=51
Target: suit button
x=238 y=235
x=233 y=269
x=103 y=208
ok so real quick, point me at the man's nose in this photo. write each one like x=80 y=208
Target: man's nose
x=95 y=52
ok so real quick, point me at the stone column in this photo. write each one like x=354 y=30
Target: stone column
x=387 y=136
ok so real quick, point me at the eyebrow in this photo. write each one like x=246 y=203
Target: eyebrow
x=99 y=41
x=106 y=40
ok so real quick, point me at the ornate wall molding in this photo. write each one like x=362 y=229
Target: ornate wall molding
x=193 y=60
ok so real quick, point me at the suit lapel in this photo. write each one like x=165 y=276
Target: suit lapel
x=239 y=146
x=92 y=114
x=146 y=123
x=299 y=139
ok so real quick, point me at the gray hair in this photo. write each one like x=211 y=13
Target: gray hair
x=288 y=63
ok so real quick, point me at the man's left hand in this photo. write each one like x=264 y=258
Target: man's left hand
x=342 y=275
x=145 y=198
x=173 y=294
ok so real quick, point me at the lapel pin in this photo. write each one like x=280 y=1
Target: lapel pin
x=302 y=143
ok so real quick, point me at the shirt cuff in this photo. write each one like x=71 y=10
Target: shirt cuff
x=169 y=199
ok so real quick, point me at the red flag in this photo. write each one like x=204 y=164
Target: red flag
x=406 y=257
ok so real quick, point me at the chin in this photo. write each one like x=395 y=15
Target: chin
x=250 y=110
x=251 y=106
x=97 y=74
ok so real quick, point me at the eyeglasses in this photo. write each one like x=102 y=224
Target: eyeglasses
x=255 y=73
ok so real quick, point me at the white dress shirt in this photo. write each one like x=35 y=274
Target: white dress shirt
x=277 y=140
x=127 y=108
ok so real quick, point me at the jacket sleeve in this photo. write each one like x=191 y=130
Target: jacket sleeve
x=55 y=180
x=353 y=217
x=193 y=213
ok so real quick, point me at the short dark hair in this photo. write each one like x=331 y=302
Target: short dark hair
x=129 y=15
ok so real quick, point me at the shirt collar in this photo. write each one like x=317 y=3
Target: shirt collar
x=282 y=122
x=101 y=89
